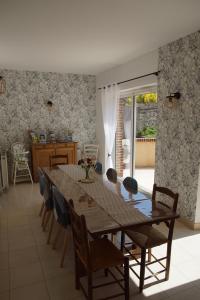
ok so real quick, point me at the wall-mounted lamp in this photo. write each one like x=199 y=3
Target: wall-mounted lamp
x=171 y=100
x=49 y=105
x=2 y=85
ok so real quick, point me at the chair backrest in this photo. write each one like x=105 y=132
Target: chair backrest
x=80 y=236
x=41 y=181
x=112 y=175
x=48 y=193
x=98 y=168
x=56 y=160
x=130 y=185
x=172 y=198
x=18 y=150
x=91 y=151
x=61 y=207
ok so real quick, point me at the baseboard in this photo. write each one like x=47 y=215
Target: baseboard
x=190 y=224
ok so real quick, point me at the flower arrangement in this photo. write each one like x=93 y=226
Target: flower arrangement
x=86 y=164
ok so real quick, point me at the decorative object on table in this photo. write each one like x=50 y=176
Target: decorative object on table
x=86 y=164
x=43 y=137
x=2 y=85
x=91 y=151
x=20 y=163
x=87 y=199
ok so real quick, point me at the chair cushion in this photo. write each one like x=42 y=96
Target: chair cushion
x=146 y=236
x=104 y=254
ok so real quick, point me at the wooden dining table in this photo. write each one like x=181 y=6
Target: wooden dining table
x=107 y=206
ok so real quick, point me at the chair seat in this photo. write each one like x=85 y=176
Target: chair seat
x=146 y=236
x=104 y=254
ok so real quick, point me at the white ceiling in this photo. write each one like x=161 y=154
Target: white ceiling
x=89 y=36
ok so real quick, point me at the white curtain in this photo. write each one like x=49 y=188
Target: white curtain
x=109 y=101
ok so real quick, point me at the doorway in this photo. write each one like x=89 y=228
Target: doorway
x=136 y=137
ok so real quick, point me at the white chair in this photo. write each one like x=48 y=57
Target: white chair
x=91 y=151
x=20 y=162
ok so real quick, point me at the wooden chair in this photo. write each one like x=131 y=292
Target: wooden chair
x=60 y=214
x=147 y=237
x=91 y=151
x=130 y=185
x=112 y=175
x=56 y=160
x=42 y=187
x=98 y=168
x=48 y=202
x=91 y=256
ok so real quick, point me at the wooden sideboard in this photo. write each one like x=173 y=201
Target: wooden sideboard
x=42 y=152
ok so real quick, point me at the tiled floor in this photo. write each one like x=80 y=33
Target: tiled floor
x=144 y=176
x=29 y=269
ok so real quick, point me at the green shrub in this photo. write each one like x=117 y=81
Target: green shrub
x=147 y=98
x=148 y=132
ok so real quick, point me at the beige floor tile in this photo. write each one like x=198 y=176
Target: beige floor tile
x=191 y=293
x=3 y=223
x=4 y=280
x=29 y=274
x=31 y=292
x=17 y=221
x=3 y=245
x=21 y=242
x=40 y=236
x=4 y=261
x=23 y=257
x=51 y=268
x=61 y=288
x=46 y=252
x=5 y=295
x=19 y=231
x=3 y=234
x=191 y=270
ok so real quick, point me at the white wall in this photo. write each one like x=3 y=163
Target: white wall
x=145 y=64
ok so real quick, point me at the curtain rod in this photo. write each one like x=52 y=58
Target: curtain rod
x=153 y=73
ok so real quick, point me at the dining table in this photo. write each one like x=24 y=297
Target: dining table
x=108 y=206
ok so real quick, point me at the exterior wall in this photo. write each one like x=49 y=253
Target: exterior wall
x=145 y=153
x=23 y=106
x=178 y=140
x=147 y=115
x=119 y=155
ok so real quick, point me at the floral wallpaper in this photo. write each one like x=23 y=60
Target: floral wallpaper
x=24 y=106
x=178 y=141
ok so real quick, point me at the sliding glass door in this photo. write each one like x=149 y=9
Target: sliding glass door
x=136 y=137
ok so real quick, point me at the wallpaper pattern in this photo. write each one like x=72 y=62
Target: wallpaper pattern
x=24 y=107
x=178 y=142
